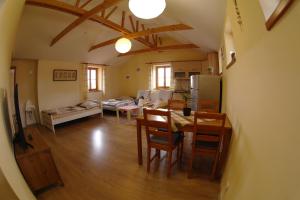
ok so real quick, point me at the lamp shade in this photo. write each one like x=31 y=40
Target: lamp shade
x=123 y=45
x=147 y=9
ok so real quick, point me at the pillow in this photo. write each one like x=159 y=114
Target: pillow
x=89 y=104
x=144 y=93
x=165 y=95
x=154 y=96
x=159 y=104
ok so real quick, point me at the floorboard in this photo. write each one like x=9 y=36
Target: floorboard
x=97 y=159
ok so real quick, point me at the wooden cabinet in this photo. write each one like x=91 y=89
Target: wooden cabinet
x=204 y=67
x=183 y=70
x=37 y=164
x=213 y=61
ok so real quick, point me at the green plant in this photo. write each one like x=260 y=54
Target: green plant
x=186 y=96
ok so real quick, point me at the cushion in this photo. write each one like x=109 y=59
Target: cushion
x=154 y=96
x=143 y=93
x=156 y=104
x=165 y=95
x=160 y=104
x=89 y=104
x=141 y=102
x=164 y=140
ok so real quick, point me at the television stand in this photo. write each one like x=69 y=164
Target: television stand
x=37 y=164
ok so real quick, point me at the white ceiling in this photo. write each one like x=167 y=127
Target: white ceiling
x=39 y=26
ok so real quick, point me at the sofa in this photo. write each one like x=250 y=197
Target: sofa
x=154 y=98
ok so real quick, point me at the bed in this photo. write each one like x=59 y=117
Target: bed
x=113 y=104
x=53 y=117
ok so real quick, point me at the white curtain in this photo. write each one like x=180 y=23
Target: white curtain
x=84 y=84
x=152 y=80
x=172 y=86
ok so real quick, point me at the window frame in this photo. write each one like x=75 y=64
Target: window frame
x=89 y=69
x=165 y=78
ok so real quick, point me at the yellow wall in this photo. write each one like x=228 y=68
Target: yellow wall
x=141 y=79
x=112 y=82
x=261 y=97
x=9 y=16
x=54 y=94
x=26 y=78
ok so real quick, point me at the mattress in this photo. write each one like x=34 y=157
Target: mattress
x=113 y=104
x=69 y=111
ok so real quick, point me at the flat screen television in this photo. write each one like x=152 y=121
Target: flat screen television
x=19 y=136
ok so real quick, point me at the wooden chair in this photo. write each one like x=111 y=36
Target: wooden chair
x=207 y=105
x=176 y=104
x=207 y=138
x=160 y=137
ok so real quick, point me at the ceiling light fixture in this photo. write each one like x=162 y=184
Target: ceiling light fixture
x=147 y=9
x=123 y=45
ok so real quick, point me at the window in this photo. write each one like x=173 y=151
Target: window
x=163 y=76
x=92 y=78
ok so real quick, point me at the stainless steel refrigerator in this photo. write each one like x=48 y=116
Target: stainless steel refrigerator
x=205 y=87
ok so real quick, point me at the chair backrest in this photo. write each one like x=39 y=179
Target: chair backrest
x=158 y=123
x=176 y=104
x=209 y=127
x=208 y=105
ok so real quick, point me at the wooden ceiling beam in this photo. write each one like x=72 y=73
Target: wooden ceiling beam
x=160 y=41
x=176 y=27
x=154 y=38
x=172 y=61
x=85 y=16
x=77 y=3
x=143 y=29
x=131 y=23
x=103 y=44
x=148 y=35
x=163 y=48
x=103 y=13
x=123 y=18
x=111 y=12
x=137 y=26
x=71 y=9
x=161 y=29
x=86 y=3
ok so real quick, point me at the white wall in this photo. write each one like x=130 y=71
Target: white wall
x=54 y=94
x=140 y=79
x=26 y=78
x=10 y=11
x=261 y=98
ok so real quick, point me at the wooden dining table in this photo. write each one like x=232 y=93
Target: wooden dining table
x=186 y=124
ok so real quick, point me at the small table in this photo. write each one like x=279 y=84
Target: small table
x=129 y=109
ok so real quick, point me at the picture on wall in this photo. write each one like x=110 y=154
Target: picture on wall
x=64 y=75
x=273 y=10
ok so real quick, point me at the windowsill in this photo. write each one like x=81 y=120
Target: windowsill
x=94 y=90
x=162 y=88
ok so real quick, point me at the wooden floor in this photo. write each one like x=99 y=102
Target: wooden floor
x=97 y=159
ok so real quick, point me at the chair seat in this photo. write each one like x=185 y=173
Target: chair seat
x=206 y=145
x=164 y=140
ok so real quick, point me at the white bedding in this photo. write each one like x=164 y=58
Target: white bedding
x=52 y=117
x=64 y=110
x=113 y=104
